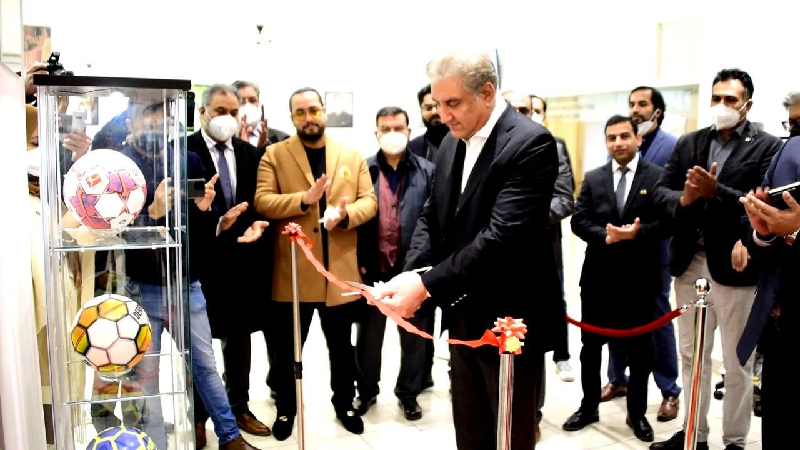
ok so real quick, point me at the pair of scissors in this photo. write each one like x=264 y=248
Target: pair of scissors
x=364 y=287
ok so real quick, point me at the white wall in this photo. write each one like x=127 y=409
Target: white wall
x=378 y=50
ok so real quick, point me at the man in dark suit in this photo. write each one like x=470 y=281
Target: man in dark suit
x=254 y=124
x=484 y=231
x=234 y=287
x=622 y=227
x=702 y=182
x=770 y=235
x=647 y=108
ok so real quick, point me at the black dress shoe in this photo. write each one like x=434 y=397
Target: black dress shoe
x=676 y=442
x=351 y=421
x=641 y=428
x=733 y=447
x=282 y=428
x=580 y=419
x=363 y=404
x=410 y=407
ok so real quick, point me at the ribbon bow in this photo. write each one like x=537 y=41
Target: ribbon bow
x=510 y=331
x=295 y=231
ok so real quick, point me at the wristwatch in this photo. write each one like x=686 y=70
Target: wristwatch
x=789 y=238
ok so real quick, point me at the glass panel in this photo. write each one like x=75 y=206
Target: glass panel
x=114 y=206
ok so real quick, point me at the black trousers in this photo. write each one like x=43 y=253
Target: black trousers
x=369 y=347
x=416 y=354
x=236 y=358
x=337 y=324
x=638 y=352
x=475 y=374
x=778 y=390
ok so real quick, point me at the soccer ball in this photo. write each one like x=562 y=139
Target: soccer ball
x=104 y=190
x=111 y=332
x=121 y=438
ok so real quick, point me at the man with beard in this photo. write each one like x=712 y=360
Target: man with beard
x=427 y=144
x=325 y=187
x=647 y=107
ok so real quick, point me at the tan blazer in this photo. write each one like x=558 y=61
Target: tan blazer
x=284 y=175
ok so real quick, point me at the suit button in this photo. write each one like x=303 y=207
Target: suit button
x=316 y=229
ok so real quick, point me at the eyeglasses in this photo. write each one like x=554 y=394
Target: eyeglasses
x=523 y=110
x=314 y=112
x=429 y=108
x=791 y=123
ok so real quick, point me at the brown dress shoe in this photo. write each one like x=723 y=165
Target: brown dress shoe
x=248 y=422
x=237 y=444
x=537 y=433
x=199 y=435
x=668 y=409
x=611 y=391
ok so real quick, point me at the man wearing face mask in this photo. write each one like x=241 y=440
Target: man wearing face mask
x=705 y=176
x=646 y=106
x=792 y=105
x=237 y=283
x=323 y=186
x=402 y=182
x=427 y=144
x=251 y=115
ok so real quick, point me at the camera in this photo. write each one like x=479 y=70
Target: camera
x=54 y=67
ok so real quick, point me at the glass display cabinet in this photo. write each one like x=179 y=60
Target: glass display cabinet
x=113 y=157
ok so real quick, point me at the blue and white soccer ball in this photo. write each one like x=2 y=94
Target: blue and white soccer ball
x=122 y=438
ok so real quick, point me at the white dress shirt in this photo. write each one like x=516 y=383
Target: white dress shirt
x=628 y=175
x=230 y=157
x=475 y=143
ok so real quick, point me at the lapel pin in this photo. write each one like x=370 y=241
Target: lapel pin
x=643 y=192
x=748 y=139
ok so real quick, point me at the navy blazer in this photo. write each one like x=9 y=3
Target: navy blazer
x=662 y=146
x=779 y=262
x=719 y=217
x=414 y=192
x=490 y=246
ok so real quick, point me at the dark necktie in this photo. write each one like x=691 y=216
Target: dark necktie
x=224 y=175
x=621 y=186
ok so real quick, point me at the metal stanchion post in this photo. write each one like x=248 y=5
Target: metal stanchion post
x=298 y=352
x=505 y=400
x=702 y=287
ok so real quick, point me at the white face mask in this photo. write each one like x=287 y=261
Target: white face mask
x=252 y=113
x=645 y=127
x=725 y=117
x=536 y=117
x=393 y=143
x=222 y=128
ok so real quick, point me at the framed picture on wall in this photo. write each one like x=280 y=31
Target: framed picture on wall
x=339 y=108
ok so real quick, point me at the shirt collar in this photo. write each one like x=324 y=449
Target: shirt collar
x=631 y=165
x=211 y=143
x=497 y=111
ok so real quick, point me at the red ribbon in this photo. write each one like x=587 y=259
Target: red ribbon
x=296 y=234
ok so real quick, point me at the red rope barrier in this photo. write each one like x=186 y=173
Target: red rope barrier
x=615 y=332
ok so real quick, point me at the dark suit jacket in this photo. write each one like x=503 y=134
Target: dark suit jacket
x=563 y=202
x=491 y=251
x=414 y=192
x=779 y=262
x=719 y=218
x=238 y=276
x=620 y=281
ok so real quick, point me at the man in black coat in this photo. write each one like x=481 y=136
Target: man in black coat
x=235 y=279
x=622 y=227
x=484 y=231
x=705 y=176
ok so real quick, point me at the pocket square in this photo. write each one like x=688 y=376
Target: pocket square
x=643 y=192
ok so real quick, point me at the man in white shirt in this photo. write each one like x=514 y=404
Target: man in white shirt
x=484 y=231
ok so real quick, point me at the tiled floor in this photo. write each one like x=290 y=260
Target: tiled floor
x=386 y=429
